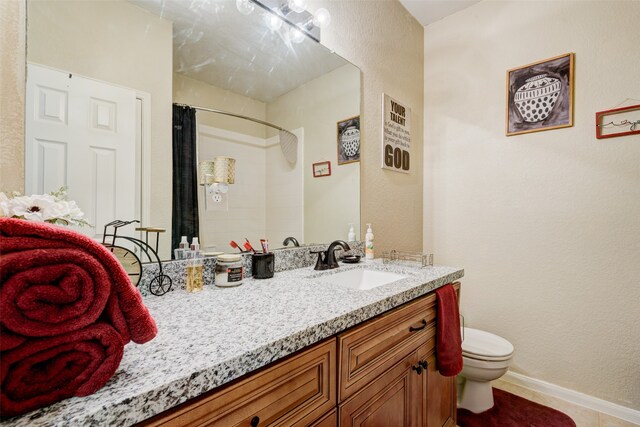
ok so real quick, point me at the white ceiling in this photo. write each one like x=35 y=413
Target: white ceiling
x=214 y=43
x=429 y=11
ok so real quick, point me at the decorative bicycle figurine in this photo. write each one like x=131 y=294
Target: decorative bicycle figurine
x=161 y=283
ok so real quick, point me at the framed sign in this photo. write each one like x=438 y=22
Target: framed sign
x=618 y=122
x=321 y=169
x=396 y=135
x=349 y=140
x=540 y=96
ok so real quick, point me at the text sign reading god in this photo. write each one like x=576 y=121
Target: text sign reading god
x=396 y=135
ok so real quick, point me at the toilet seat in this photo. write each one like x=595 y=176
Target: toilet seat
x=482 y=345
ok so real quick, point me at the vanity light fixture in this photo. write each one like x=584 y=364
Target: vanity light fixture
x=273 y=21
x=294 y=12
x=295 y=35
x=298 y=6
x=245 y=6
x=322 y=18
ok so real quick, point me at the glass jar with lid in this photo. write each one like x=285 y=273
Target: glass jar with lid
x=229 y=270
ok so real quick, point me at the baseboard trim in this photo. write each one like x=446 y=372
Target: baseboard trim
x=600 y=405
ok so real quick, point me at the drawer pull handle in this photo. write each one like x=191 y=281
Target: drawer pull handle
x=423 y=364
x=418 y=369
x=419 y=328
x=254 y=421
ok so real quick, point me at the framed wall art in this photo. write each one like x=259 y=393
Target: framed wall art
x=540 y=96
x=321 y=169
x=349 y=140
x=618 y=122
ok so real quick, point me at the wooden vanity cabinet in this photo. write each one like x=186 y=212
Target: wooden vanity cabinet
x=298 y=391
x=387 y=371
x=380 y=373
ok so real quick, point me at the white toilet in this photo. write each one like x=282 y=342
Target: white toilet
x=485 y=357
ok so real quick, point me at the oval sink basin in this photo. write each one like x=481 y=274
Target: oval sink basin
x=363 y=279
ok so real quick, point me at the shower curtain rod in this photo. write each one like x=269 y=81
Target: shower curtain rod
x=227 y=113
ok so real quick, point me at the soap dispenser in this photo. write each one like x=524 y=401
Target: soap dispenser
x=352 y=234
x=368 y=246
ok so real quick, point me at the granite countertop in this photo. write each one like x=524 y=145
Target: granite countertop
x=209 y=338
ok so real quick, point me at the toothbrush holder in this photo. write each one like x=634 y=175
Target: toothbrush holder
x=262 y=265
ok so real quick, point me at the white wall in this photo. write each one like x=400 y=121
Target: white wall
x=330 y=203
x=546 y=225
x=284 y=187
x=195 y=92
x=246 y=198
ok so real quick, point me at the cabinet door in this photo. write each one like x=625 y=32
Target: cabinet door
x=369 y=350
x=438 y=393
x=394 y=399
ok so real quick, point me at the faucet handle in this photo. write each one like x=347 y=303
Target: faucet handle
x=320 y=263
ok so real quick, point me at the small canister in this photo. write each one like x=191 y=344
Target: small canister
x=229 y=270
x=263 y=265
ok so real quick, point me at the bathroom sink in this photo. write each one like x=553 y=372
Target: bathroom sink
x=362 y=279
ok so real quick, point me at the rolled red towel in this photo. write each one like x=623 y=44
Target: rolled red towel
x=47 y=292
x=55 y=280
x=42 y=371
x=448 y=339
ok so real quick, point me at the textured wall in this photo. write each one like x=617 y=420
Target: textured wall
x=12 y=78
x=547 y=224
x=386 y=43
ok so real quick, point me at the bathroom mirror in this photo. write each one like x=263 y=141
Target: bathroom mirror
x=101 y=80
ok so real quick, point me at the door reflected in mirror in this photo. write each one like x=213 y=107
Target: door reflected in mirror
x=102 y=77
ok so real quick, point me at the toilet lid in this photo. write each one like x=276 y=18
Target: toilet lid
x=485 y=344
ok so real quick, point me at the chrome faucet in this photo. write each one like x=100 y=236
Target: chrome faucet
x=291 y=240
x=327 y=259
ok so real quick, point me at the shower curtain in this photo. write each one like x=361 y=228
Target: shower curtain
x=185 y=176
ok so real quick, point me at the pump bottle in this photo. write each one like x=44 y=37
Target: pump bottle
x=368 y=246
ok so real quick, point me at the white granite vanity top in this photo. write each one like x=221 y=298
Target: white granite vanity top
x=212 y=337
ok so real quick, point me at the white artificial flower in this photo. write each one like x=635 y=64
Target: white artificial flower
x=53 y=208
x=39 y=207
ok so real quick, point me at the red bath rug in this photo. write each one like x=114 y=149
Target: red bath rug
x=514 y=411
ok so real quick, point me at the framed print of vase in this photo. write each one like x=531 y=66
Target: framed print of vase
x=540 y=96
x=349 y=140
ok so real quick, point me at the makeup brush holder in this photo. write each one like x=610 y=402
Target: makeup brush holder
x=263 y=265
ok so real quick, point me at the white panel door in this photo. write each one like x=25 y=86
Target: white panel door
x=80 y=134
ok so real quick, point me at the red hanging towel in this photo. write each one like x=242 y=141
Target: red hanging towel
x=448 y=339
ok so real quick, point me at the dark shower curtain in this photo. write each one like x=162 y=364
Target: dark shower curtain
x=185 y=176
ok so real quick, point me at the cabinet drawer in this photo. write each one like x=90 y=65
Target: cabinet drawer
x=367 y=351
x=295 y=392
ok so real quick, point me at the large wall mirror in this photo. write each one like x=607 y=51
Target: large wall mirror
x=101 y=80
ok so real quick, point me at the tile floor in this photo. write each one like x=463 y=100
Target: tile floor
x=583 y=417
